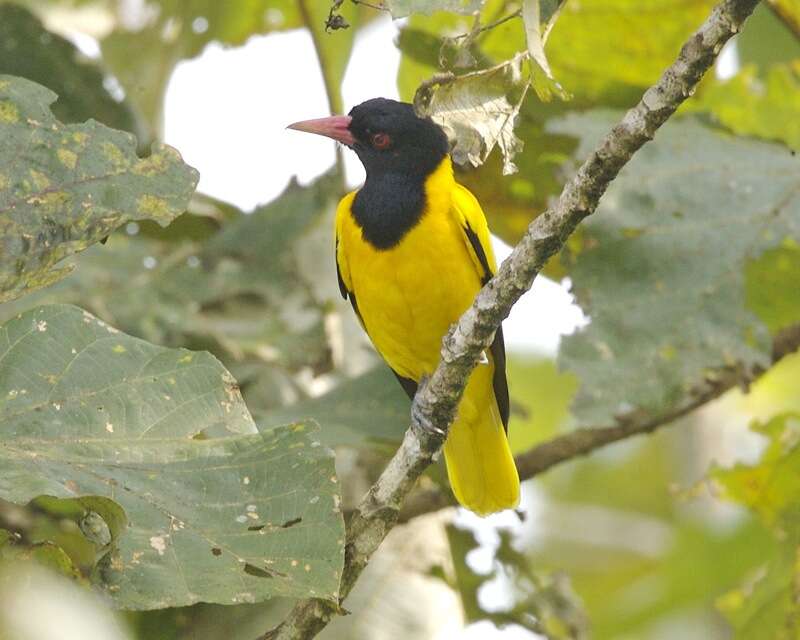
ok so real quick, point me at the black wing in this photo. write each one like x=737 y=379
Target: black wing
x=498 y=348
x=342 y=286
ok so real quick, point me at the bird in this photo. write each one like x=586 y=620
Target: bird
x=412 y=251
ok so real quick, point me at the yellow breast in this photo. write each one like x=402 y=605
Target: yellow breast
x=410 y=294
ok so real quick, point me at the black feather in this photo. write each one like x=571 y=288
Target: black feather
x=409 y=386
x=342 y=285
x=388 y=206
x=498 y=348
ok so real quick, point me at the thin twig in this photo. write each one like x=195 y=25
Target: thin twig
x=436 y=401
x=371 y=5
x=478 y=28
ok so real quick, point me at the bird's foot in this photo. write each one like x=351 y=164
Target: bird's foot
x=420 y=418
x=421 y=422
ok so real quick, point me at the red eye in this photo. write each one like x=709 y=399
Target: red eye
x=381 y=141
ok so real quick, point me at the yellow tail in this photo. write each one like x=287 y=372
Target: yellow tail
x=479 y=462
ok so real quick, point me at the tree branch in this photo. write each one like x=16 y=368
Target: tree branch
x=435 y=403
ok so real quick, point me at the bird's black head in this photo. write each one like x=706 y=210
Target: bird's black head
x=387 y=136
x=399 y=150
x=390 y=137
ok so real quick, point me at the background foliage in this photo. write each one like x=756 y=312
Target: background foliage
x=143 y=467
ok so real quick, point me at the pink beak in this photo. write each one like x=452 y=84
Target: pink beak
x=336 y=127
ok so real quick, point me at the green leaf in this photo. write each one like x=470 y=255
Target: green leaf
x=539 y=17
x=541 y=602
x=46 y=554
x=607 y=51
x=69 y=535
x=217 y=512
x=770 y=488
x=29 y=50
x=767 y=40
x=231 y=22
x=769 y=609
x=64 y=187
x=661 y=271
x=771 y=286
x=748 y=105
x=252 y=292
x=370 y=408
x=775 y=391
x=403 y=8
x=467 y=582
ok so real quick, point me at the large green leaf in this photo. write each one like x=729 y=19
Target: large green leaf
x=218 y=512
x=662 y=269
x=371 y=408
x=599 y=48
x=64 y=187
x=29 y=50
x=252 y=293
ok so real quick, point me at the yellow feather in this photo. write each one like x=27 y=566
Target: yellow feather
x=408 y=296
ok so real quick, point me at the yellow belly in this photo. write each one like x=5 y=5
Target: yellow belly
x=409 y=295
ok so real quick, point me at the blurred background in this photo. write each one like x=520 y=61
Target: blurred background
x=644 y=539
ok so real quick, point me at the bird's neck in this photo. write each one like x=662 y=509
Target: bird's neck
x=390 y=204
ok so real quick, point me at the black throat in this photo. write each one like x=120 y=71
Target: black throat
x=388 y=206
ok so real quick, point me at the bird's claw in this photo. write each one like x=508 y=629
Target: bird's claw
x=421 y=422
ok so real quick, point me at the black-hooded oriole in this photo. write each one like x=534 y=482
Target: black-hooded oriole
x=412 y=251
